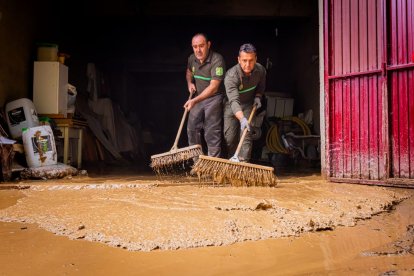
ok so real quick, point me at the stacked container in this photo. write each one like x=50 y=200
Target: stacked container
x=20 y=114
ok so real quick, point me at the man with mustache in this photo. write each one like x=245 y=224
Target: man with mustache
x=205 y=73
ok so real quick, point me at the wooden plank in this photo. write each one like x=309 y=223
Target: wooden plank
x=57 y=116
x=70 y=122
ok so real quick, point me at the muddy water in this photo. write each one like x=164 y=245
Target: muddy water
x=27 y=249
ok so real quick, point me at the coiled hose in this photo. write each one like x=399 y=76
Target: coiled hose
x=273 y=138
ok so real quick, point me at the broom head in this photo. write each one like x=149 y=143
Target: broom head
x=236 y=173
x=168 y=161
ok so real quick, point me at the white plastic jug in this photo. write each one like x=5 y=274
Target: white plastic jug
x=20 y=114
x=39 y=146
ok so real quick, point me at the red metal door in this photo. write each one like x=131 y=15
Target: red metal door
x=355 y=90
x=400 y=14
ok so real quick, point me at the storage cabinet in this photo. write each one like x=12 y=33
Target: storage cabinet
x=50 y=85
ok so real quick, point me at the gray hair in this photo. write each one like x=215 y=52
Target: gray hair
x=247 y=48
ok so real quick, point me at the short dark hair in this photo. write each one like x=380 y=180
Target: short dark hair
x=247 y=48
x=201 y=34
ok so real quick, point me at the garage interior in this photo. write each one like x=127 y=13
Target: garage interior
x=139 y=50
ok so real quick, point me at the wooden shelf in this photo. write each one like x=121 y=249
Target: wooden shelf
x=70 y=122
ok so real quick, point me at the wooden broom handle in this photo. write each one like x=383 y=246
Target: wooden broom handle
x=181 y=125
x=245 y=131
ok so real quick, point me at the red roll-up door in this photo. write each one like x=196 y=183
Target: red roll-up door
x=369 y=91
x=355 y=103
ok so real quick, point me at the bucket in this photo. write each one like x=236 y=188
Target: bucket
x=47 y=52
x=20 y=114
x=39 y=146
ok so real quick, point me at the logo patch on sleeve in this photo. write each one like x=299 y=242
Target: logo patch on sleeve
x=219 y=71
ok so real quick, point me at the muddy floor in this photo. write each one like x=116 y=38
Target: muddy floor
x=133 y=225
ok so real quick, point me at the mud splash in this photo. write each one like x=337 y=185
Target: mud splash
x=28 y=250
x=142 y=215
x=403 y=246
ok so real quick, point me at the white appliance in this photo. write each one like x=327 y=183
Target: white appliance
x=50 y=86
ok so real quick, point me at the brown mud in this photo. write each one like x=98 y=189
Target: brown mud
x=303 y=226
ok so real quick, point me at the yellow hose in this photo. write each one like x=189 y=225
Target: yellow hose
x=273 y=142
x=273 y=139
x=300 y=122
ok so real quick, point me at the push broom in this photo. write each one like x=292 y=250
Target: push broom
x=167 y=162
x=233 y=171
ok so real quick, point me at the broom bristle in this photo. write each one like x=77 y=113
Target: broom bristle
x=236 y=173
x=170 y=161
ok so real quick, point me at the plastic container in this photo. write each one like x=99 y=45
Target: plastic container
x=44 y=121
x=47 y=52
x=20 y=114
x=39 y=146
